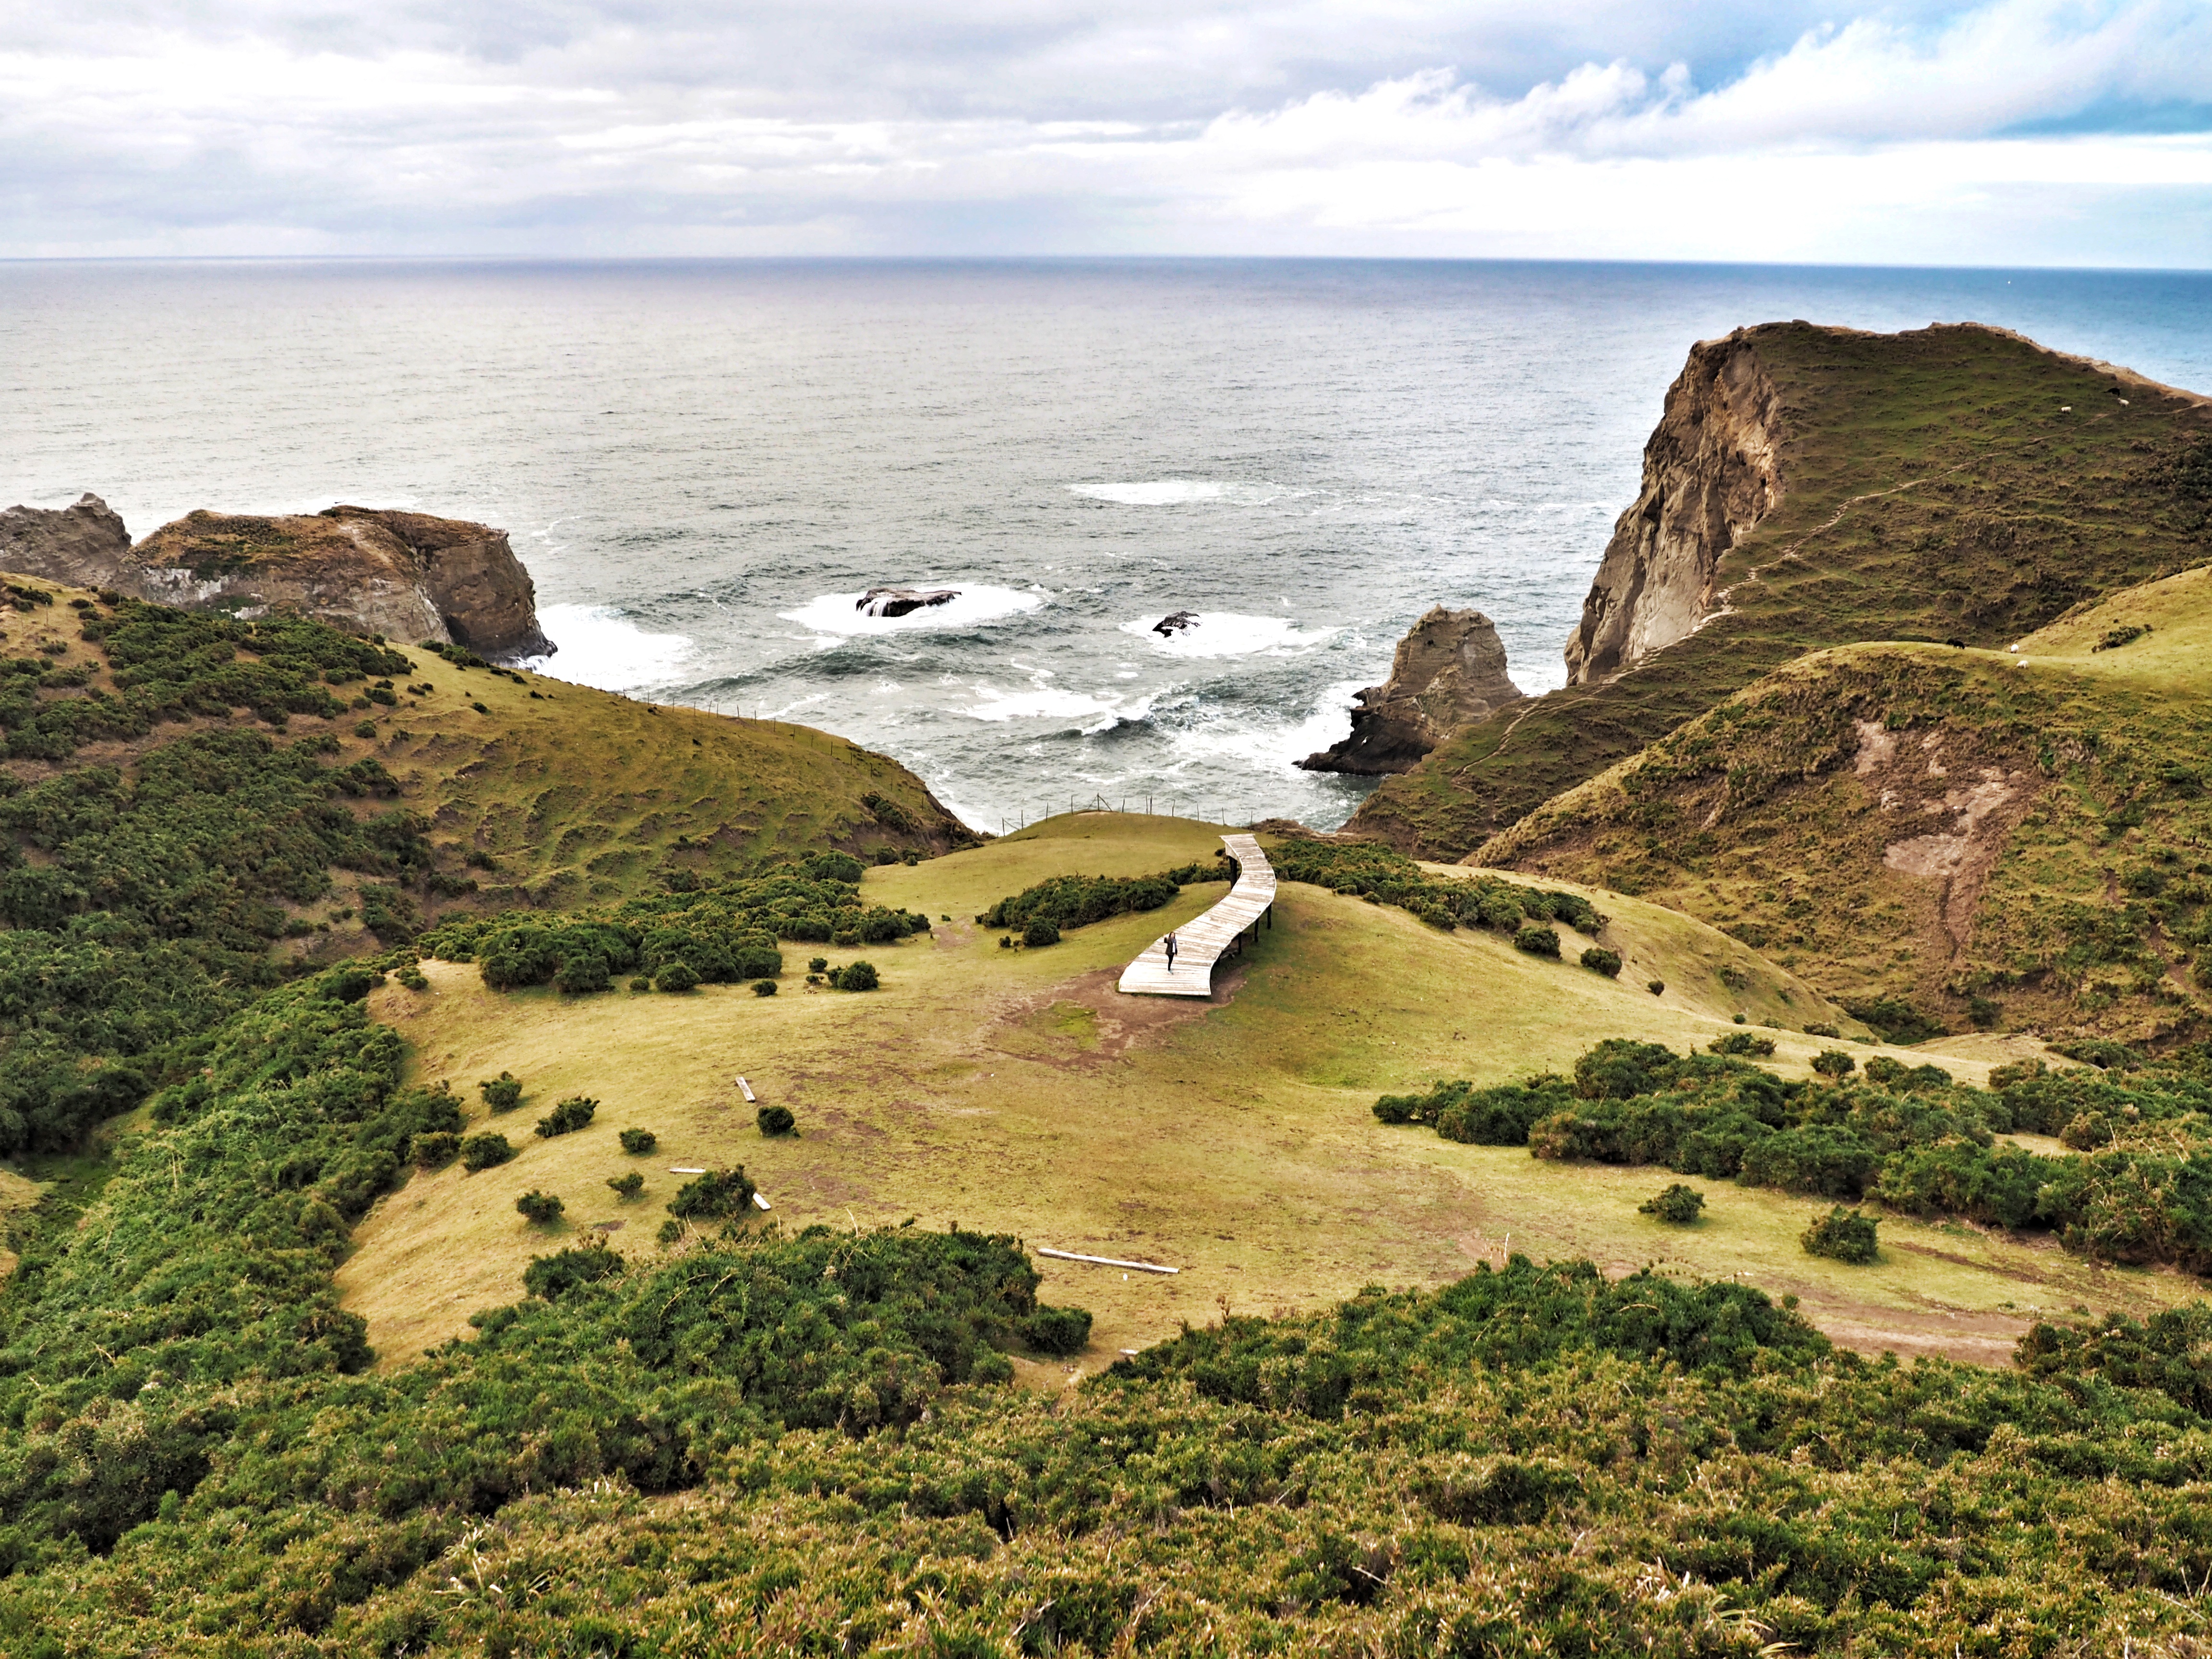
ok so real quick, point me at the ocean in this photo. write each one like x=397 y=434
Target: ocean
x=705 y=465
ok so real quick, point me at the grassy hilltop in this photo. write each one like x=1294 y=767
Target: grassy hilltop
x=1953 y=483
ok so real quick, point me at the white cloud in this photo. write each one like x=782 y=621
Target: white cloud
x=2015 y=130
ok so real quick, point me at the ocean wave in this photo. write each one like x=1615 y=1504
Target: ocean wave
x=1039 y=700
x=1270 y=744
x=837 y=616
x=1225 y=634
x=1153 y=492
x=598 y=645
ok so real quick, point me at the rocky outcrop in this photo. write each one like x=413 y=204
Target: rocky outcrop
x=1711 y=471
x=85 y=545
x=902 y=601
x=405 y=575
x=1449 y=669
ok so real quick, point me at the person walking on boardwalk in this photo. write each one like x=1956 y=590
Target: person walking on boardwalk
x=1169 y=944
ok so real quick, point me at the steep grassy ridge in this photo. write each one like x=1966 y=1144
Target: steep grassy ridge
x=190 y=806
x=1016 y=1090
x=1992 y=838
x=1937 y=485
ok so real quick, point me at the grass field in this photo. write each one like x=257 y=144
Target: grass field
x=1017 y=1091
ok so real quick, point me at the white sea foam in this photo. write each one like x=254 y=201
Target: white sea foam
x=1272 y=744
x=598 y=645
x=1225 y=634
x=1152 y=492
x=837 y=615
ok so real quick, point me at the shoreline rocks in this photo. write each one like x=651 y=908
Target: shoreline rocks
x=407 y=576
x=1449 y=669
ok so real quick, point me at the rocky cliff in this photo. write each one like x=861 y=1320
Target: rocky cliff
x=405 y=575
x=1449 y=669
x=1711 y=473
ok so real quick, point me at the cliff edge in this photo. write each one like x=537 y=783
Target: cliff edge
x=406 y=576
x=1449 y=669
x=1711 y=471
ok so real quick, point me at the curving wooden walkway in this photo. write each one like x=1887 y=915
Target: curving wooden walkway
x=1202 y=941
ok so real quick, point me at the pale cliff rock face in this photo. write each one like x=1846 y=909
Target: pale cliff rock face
x=1711 y=471
x=1449 y=669
x=85 y=545
x=405 y=575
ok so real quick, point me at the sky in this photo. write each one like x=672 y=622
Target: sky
x=2019 y=132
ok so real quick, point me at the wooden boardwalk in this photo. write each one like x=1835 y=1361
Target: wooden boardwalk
x=1202 y=941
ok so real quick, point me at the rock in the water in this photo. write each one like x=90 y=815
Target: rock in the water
x=1711 y=471
x=899 y=601
x=1169 y=626
x=1449 y=670
x=405 y=575
x=85 y=545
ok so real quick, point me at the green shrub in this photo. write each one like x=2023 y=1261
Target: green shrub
x=2086 y=1131
x=483 y=1152
x=638 y=1142
x=1678 y=1205
x=855 y=977
x=775 y=1120
x=579 y=974
x=834 y=866
x=435 y=1150
x=763 y=987
x=1834 y=1063
x=539 y=1207
x=717 y=1194
x=1819 y=1030
x=817 y=965
x=550 y=1276
x=1741 y=1042
x=1599 y=960
x=411 y=976
x=627 y=1186
x=677 y=976
x=1057 y=1330
x=566 y=1118
x=1066 y=901
x=1537 y=941
x=1845 y=1235
x=1040 y=932
x=502 y=1093
x=1656 y=987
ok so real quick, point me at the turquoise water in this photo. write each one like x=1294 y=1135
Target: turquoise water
x=705 y=464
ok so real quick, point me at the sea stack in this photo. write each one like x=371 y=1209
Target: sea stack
x=1449 y=669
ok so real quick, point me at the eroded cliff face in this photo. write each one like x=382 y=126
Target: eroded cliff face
x=1449 y=669
x=84 y=545
x=1711 y=471
x=405 y=575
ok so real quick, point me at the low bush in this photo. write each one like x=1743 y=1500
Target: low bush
x=1656 y=987
x=1040 y=932
x=502 y=1093
x=855 y=977
x=817 y=965
x=570 y=1116
x=627 y=1186
x=677 y=977
x=1678 y=1205
x=1818 y=1030
x=1066 y=901
x=763 y=987
x=1741 y=1042
x=1537 y=941
x=638 y=1142
x=1057 y=1330
x=1599 y=960
x=484 y=1151
x=551 y=1277
x=775 y=1120
x=1834 y=1063
x=537 y=1207
x=435 y=1150
x=1844 y=1235
x=582 y=973
x=713 y=1196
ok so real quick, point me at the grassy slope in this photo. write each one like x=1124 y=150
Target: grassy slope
x=577 y=795
x=1769 y=819
x=2006 y=513
x=1017 y=1091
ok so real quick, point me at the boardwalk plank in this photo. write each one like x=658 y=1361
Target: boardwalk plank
x=1201 y=941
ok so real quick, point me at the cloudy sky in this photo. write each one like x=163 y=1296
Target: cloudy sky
x=2021 y=132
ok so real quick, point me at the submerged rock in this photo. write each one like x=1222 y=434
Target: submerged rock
x=1449 y=669
x=899 y=601
x=1169 y=626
